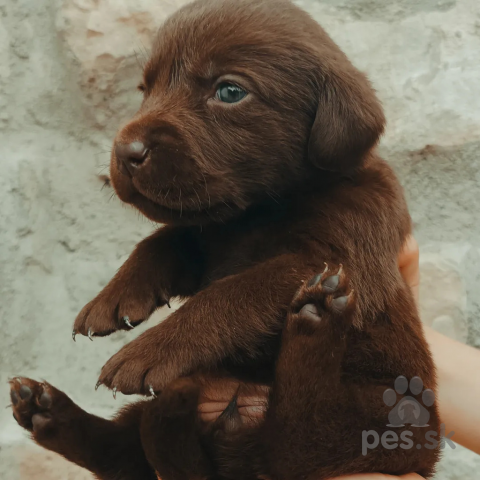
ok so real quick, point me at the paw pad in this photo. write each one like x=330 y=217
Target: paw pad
x=409 y=410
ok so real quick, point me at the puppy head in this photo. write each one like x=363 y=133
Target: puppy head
x=243 y=100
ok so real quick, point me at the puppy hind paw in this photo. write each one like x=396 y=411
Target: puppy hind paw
x=325 y=296
x=32 y=403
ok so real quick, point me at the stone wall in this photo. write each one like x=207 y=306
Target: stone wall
x=68 y=71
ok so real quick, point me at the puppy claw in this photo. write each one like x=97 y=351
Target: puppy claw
x=126 y=319
x=98 y=385
x=74 y=334
x=114 y=391
x=90 y=334
x=163 y=299
x=152 y=391
x=317 y=278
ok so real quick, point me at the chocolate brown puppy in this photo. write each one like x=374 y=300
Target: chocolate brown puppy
x=255 y=145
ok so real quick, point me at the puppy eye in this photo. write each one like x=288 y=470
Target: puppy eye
x=230 y=93
x=141 y=88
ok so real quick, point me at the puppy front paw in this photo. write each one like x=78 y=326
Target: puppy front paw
x=128 y=300
x=144 y=366
x=327 y=297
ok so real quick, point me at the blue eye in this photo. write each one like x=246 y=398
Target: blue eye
x=230 y=93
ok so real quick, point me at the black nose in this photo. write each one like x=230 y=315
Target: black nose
x=132 y=155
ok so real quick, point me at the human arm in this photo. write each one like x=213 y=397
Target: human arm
x=457 y=367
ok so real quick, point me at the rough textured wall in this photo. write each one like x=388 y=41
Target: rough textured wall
x=68 y=71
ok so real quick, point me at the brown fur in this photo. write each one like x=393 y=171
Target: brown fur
x=258 y=196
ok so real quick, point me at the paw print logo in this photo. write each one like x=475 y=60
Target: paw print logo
x=408 y=410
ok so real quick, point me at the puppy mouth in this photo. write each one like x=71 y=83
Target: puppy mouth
x=176 y=198
x=186 y=202
x=185 y=212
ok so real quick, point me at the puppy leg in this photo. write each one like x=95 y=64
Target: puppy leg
x=232 y=318
x=109 y=449
x=167 y=264
x=320 y=414
x=171 y=434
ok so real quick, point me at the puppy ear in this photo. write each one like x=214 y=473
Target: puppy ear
x=349 y=119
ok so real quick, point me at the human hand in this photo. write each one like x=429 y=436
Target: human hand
x=408 y=263
x=216 y=394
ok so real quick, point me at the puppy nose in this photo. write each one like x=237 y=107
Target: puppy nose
x=132 y=155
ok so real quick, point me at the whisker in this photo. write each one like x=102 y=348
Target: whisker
x=206 y=189
x=166 y=195
x=141 y=64
x=103 y=168
x=273 y=198
x=180 y=200
x=145 y=51
x=199 y=201
x=106 y=181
